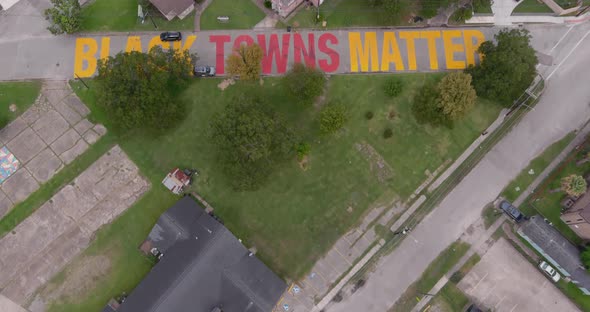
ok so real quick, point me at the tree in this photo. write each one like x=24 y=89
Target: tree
x=574 y=185
x=508 y=66
x=585 y=258
x=305 y=83
x=251 y=140
x=332 y=118
x=425 y=109
x=64 y=16
x=245 y=62
x=462 y=14
x=456 y=97
x=137 y=89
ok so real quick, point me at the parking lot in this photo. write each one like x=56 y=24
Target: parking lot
x=505 y=281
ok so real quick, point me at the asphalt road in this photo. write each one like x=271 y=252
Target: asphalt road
x=564 y=107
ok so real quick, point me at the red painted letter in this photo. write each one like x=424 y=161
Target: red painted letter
x=334 y=56
x=242 y=39
x=308 y=54
x=281 y=55
x=220 y=41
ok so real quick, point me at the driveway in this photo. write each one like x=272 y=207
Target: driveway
x=562 y=109
x=505 y=281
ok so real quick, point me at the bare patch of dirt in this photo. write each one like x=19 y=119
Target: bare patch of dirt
x=78 y=280
x=304 y=163
x=12 y=108
x=378 y=165
x=225 y=83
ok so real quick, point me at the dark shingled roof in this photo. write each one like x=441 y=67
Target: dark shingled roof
x=204 y=266
x=556 y=248
x=168 y=6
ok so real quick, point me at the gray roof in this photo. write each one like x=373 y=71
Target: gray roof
x=204 y=267
x=556 y=248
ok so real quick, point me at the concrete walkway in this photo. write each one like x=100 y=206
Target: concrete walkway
x=579 y=139
x=199 y=10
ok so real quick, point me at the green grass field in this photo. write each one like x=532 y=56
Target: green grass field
x=524 y=179
x=21 y=94
x=243 y=14
x=121 y=15
x=532 y=6
x=296 y=217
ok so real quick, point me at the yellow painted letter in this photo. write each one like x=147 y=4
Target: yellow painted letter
x=451 y=48
x=156 y=41
x=431 y=36
x=390 y=52
x=410 y=36
x=188 y=43
x=363 y=53
x=470 y=47
x=133 y=44
x=105 y=45
x=86 y=49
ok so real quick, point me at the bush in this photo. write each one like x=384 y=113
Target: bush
x=332 y=118
x=462 y=14
x=268 y=4
x=393 y=87
x=303 y=150
x=369 y=115
x=305 y=83
x=388 y=133
x=574 y=185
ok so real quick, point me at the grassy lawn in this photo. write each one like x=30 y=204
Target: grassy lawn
x=486 y=8
x=347 y=13
x=243 y=14
x=575 y=294
x=439 y=267
x=524 y=179
x=450 y=299
x=21 y=94
x=121 y=15
x=532 y=6
x=490 y=214
x=294 y=219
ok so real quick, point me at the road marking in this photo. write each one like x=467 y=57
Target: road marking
x=568 y=55
x=561 y=39
x=341 y=255
x=474 y=287
x=497 y=304
x=516 y=305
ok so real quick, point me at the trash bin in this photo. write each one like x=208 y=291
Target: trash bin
x=288 y=28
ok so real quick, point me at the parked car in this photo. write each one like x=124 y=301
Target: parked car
x=204 y=71
x=171 y=36
x=512 y=211
x=473 y=308
x=549 y=271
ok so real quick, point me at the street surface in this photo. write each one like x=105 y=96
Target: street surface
x=564 y=107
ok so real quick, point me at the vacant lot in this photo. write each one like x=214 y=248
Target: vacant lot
x=243 y=14
x=294 y=219
x=121 y=15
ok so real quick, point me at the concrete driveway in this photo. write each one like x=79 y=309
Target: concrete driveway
x=505 y=281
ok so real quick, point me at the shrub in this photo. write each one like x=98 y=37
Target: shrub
x=268 y=4
x=574 y=185
x=462 y=14
x=388 y=133
x=332 y=118
x=369 y=115
x=305 y=83
x=303 y=150
x=393 y=87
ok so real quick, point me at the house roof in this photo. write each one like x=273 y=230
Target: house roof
x=557 y=247
x=582 y=206
x=204 y=267
x=172 y=6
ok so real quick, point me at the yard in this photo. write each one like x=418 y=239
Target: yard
x=537 y=165
x=294 y=219
x=243 y=14
x=347 y=13
x=532 y=6
x=121 y=15
x=21 y=94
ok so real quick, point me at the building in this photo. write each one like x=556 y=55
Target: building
x=577 y=217
x=286 y=7
x=558 y=251
x=203 y=267
x=174 y=8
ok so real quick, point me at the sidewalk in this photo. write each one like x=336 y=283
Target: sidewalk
x=199 y=10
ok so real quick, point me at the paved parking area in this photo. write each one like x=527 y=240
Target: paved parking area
x=49 y=135
x=64 y=226
x=505 y=281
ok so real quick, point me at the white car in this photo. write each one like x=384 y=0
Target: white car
x=550 y=271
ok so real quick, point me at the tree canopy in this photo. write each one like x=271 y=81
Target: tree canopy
x=574 y=185
x=456 y=97
x=305 y=83
x=245 y=62
x=508 y=66
x=251 y=139
x=425 y=109
x=64 y=16
x=332 y=118
x=138 y=89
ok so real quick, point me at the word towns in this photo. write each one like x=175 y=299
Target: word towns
x=332 y=52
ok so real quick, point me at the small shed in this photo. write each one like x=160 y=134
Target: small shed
x=176 y=180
